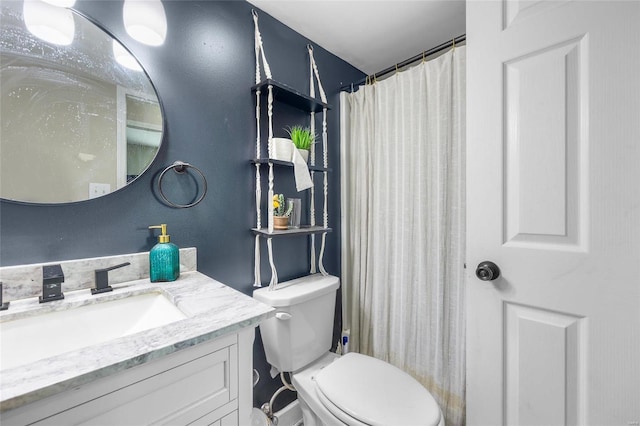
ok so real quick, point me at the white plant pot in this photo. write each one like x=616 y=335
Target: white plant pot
x=281 y=149
x=305 y=154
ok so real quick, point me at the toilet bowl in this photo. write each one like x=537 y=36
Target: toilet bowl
x=354 y=389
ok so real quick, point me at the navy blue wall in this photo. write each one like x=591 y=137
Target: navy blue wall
x=203 y=74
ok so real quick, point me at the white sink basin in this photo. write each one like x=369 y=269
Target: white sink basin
x=30 y=339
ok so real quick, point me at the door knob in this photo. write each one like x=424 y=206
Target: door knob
x=487 y=271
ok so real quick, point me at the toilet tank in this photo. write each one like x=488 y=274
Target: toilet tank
x=302 y=329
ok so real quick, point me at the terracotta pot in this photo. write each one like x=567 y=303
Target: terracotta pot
x=281 y=222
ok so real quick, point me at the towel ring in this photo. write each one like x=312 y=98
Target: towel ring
x=181 y=167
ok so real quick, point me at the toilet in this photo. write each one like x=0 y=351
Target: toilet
x=352 y=389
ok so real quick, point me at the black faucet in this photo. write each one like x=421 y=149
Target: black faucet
x=3 y=306
x=102 y=279
x=52 y=279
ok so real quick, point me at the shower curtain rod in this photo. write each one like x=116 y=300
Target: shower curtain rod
x=409 y=61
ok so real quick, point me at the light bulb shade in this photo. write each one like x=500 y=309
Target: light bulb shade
x=61 y=3
x=145 y=21
x=125 y=58
x=50 y=23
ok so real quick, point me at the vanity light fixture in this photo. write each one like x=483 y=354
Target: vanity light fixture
x=145 y=21
x=125 y=58
x=50 y=23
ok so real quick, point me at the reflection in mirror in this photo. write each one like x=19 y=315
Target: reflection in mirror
x=142 y=120
x=76 y=123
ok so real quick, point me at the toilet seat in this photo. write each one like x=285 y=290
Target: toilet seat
x=337 y=412
x=362 y=390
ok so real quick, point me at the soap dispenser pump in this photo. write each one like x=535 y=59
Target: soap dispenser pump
x=164 y=258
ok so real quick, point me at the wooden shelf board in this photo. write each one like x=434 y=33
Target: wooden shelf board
x=288 y=164
x=291 y=96
x=303 y=230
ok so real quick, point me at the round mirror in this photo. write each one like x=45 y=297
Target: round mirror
x=79 y=116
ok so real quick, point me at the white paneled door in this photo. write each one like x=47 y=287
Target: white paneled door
x=553 y=172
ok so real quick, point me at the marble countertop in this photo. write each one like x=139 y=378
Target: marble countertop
x=212 y=309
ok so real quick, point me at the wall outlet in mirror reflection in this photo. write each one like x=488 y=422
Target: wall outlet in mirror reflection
x=98 y=189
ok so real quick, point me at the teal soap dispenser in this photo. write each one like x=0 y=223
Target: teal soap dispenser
x=164 y=258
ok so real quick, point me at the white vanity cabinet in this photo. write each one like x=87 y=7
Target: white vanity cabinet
x=205 y=384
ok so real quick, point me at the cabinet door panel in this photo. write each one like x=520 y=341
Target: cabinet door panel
x=230 y=419
x=187 y=391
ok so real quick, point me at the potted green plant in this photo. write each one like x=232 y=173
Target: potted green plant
x=281 y=212
x=302 y=138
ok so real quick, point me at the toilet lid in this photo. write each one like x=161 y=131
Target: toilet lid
x=375 y=392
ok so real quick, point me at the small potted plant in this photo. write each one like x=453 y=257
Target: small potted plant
x=302 y=138
x=280 y=212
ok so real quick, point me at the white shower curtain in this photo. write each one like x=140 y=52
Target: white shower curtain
x=403 y=218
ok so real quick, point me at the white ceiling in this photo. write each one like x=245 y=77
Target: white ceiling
x=371 y=35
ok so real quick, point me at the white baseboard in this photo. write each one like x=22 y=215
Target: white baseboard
x=291 y=415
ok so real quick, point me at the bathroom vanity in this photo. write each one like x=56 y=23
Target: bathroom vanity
x=192 y=366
